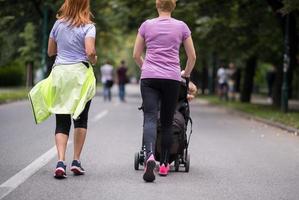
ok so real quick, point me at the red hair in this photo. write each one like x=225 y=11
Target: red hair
x=77 y=12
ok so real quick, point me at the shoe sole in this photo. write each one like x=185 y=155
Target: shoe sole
x=60 y=174
x=149 y=175
x=77 y=171
x=163 y=174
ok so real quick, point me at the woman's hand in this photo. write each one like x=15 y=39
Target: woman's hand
x=94 y=60
x=192 y=91
x=183 y=74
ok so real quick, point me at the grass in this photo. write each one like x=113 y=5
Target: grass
x=262 y=111
x=13 y=94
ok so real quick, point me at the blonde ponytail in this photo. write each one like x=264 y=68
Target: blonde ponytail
x=166 y=5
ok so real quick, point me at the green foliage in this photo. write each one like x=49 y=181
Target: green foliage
x=290 y=5
x=13 y=94
x=12 y=74
x=7 y=40
x=29 y=50
x=233 y=30
x=260 y=81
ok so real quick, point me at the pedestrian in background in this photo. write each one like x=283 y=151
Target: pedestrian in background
x=68 y=90
x=107 y=80
x=222 y=76
x=122 y=80
x=160 y=79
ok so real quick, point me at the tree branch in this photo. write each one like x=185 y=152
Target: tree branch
x=276 y=5
x=37 y=7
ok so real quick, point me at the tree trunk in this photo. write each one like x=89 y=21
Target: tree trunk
x=293 y=41
x=29 y=74
x=249 y=73
x=276 y=96
x=212 y=81
x=204 y=75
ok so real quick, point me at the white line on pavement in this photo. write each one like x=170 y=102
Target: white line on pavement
x=12 y=183
x=100 y=115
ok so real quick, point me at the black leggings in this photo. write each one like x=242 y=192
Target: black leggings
x=63 y=121
x=155 y=92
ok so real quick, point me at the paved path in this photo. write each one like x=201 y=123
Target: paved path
x=231 y=158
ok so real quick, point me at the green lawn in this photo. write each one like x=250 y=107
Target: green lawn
x=12 y=94
x=261 y=111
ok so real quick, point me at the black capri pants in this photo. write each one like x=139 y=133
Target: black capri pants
x=64 y=121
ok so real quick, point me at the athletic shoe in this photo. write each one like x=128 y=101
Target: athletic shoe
x=163 y=170
x=76 y=168
x=60 y=171
x=149 y=175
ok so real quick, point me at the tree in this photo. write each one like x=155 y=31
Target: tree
x=243 y=31
x=290 y=6
x=29 y=51
x=232 y=31
x=290 y=33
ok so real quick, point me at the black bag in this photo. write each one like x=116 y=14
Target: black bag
x=179 y=125
x=109 y=83
x=179 y=134
x=127 y=80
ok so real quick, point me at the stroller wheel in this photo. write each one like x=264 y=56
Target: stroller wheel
x=187 y=164
x=136 y=161
x=176 y=165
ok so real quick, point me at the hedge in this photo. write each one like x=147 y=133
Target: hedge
x=12 y=74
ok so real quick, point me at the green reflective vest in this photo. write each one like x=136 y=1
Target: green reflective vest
x=66 y=91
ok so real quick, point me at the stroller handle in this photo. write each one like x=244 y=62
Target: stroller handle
x=185 y=81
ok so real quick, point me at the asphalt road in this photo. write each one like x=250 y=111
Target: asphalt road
x=231 y=157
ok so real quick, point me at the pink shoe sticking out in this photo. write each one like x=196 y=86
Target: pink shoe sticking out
x=149 y=175
x=163 y=170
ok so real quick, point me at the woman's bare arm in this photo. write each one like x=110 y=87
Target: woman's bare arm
x=52 y=47
x=190 y=51
x=91 y=50
x=138 y=50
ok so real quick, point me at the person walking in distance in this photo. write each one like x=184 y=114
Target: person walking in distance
x=160 y=79
x=107 y=80
x=222 y=76
x=122 y=80
x=68 y=90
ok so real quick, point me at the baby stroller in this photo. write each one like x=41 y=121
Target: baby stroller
x=179 y=150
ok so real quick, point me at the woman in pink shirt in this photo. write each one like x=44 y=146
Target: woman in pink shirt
x=160 y=78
